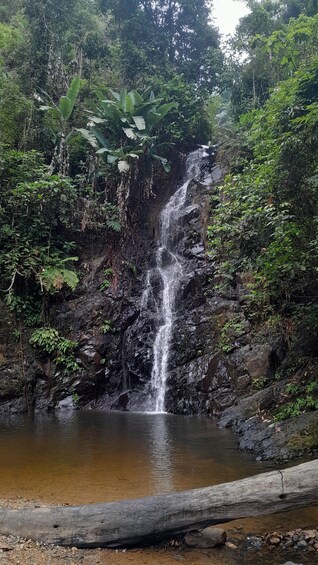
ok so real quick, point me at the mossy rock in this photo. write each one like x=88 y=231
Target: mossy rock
x=305 y=441
x=11 y=386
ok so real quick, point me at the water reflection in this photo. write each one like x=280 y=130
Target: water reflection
x=160 y=445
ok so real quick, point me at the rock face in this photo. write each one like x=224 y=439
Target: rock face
x=200 y=380
x=268 y=440
x=115 y=331
x=97 y=317
x=215 y=358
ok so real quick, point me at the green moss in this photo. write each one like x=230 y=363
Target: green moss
x=306 y=441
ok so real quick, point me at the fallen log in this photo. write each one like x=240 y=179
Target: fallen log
x=147 y=520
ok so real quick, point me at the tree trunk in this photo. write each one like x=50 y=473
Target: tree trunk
x=148 y=520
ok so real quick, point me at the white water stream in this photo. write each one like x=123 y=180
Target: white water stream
x=170 y=267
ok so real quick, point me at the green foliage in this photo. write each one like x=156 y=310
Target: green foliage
x=230 y=332
x=27 y=308
x=60 y=115
x=189 y=120
x=106 y=327
x=15 y=110
x=275 y=47
x=7 y=36
x=106 y=282
x=297 y=407
x=46 y=339
x=75 y=398
x=30 y=210
x=300 y=394
x=62 y=351
x=62 y=111
x=53 y=279
x=264 y=217
x=62 y=36
x=34 y=207
x=127 y=121
x=259 y=383
x=11 y=36
x=154 y=38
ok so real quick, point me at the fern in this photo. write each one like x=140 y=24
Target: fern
x=53 y=279
x=113 y=225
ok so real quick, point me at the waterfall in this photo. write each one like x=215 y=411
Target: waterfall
x=169 y=265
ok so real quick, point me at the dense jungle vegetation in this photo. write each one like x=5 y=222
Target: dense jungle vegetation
x=85 y=87
x=94 y=93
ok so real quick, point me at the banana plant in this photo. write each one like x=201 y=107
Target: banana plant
x=60 y=114
x=123 y=128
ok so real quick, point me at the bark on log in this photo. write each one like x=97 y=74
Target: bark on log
x=147 y=520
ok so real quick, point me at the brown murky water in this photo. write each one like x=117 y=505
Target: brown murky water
x=83 y=457
x=92 y=456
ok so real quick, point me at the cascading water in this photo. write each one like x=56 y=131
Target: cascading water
x=170 y=266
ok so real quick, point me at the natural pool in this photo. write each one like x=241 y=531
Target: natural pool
x=81 y=457
x=93 y=456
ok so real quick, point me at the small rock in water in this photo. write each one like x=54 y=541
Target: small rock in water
x=209 y=537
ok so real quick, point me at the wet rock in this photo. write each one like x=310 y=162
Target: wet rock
x=243 y=382
x=265 y=439
x=201 y=386
x=66 y=404
x=198 y=251
x=255 y=541
x=122 y=401
x=301 y=544
x=257 y=360
x=89 y=355
x=16 y=406
x=207 y=538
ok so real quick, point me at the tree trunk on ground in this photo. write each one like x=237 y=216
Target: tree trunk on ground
x=148 y=520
